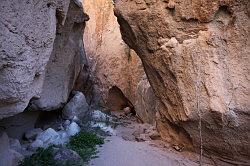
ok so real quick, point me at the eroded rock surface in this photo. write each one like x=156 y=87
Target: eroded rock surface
x=195 y=51
x=41 y=53
x=113 y=65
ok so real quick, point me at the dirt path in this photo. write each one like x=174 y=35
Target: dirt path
x=118 y=152
x=122 y=149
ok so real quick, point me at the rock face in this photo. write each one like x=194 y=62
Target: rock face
x=115 y=67
x=41 y=53
x=195 y=53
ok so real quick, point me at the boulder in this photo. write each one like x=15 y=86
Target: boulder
x=15 y=145
x=41 y=56
x=75 y=107
x=66 y=156
x=48 y=137
x=25 y=50
x=17 y=157
x=190 y=53
x=99 y=116
x=6 y=155
x=73 y=129
x=36 y=144
x=32 y=134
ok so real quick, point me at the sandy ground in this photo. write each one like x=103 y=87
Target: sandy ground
x=118 y=152
x=122 y=149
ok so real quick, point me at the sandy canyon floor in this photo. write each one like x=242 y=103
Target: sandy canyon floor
x=131 y=146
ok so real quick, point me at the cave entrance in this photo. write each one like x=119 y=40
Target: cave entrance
x=118 y=101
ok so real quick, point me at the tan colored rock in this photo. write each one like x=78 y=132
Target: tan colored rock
x=194 y=51
x=116 y=69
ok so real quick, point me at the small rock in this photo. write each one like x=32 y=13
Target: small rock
x=99 y=116
x=5 y=152
x=78 y=3
x=73 y=129
x=15 y=145
x=63 y=138
x=127 y=110
x=66 y=156
x=76 y=106
x=142 y=138
x=177 y=148
x=17 y=157
x=32 y=134
x=36 y=144
x=48 y=136
x=154 y=135
x=66 y=123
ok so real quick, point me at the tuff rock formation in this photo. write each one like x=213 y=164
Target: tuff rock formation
x=41 y=53
x=116 y=69
x=195 y=53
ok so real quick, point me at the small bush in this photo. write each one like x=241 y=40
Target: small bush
x=42 y=157
x=84 y=143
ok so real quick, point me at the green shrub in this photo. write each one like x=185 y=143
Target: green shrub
x=84 y=143
x=42 y=157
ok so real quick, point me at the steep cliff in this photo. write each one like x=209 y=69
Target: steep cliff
x=196 y=57
x=41 y=53
x=116 y=69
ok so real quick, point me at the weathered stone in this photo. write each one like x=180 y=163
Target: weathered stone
x=41 y=56
x=116 y=69
x=190 y=53
x=15 y=144
x=17 y=158
x=36 y=144
x=48 y=136
x=66 y=156
x=73 y=129
x=31 y=134
x=76 y=106
x=145 y=103
x=66 y=61
x=25 y=48
x=5 y=153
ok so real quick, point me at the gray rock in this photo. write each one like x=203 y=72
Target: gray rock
x=76 y=106
x=17 y=157
x=15 y=145
x=32 y=134
x=5 y=152
x=73 y=129
x=48 y=137
x=66 y=123
x=25 y=49
x=65 y=63
x=41 y=56
x=99 y=116
x=36 y=144
x=64 y=155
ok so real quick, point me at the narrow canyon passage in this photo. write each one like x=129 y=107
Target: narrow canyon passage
x=124 y=82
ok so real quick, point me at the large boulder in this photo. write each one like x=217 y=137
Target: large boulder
x=75 y=107
x=67 y=156
x=25 y=49
x=41 y=56
x=195 y=53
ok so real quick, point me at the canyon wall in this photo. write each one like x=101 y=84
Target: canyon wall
x=41 y=53
x=196 y=57
x=115 y=67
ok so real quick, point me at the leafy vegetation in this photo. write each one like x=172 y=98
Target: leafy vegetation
x=42 y=157
x=84 y=143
